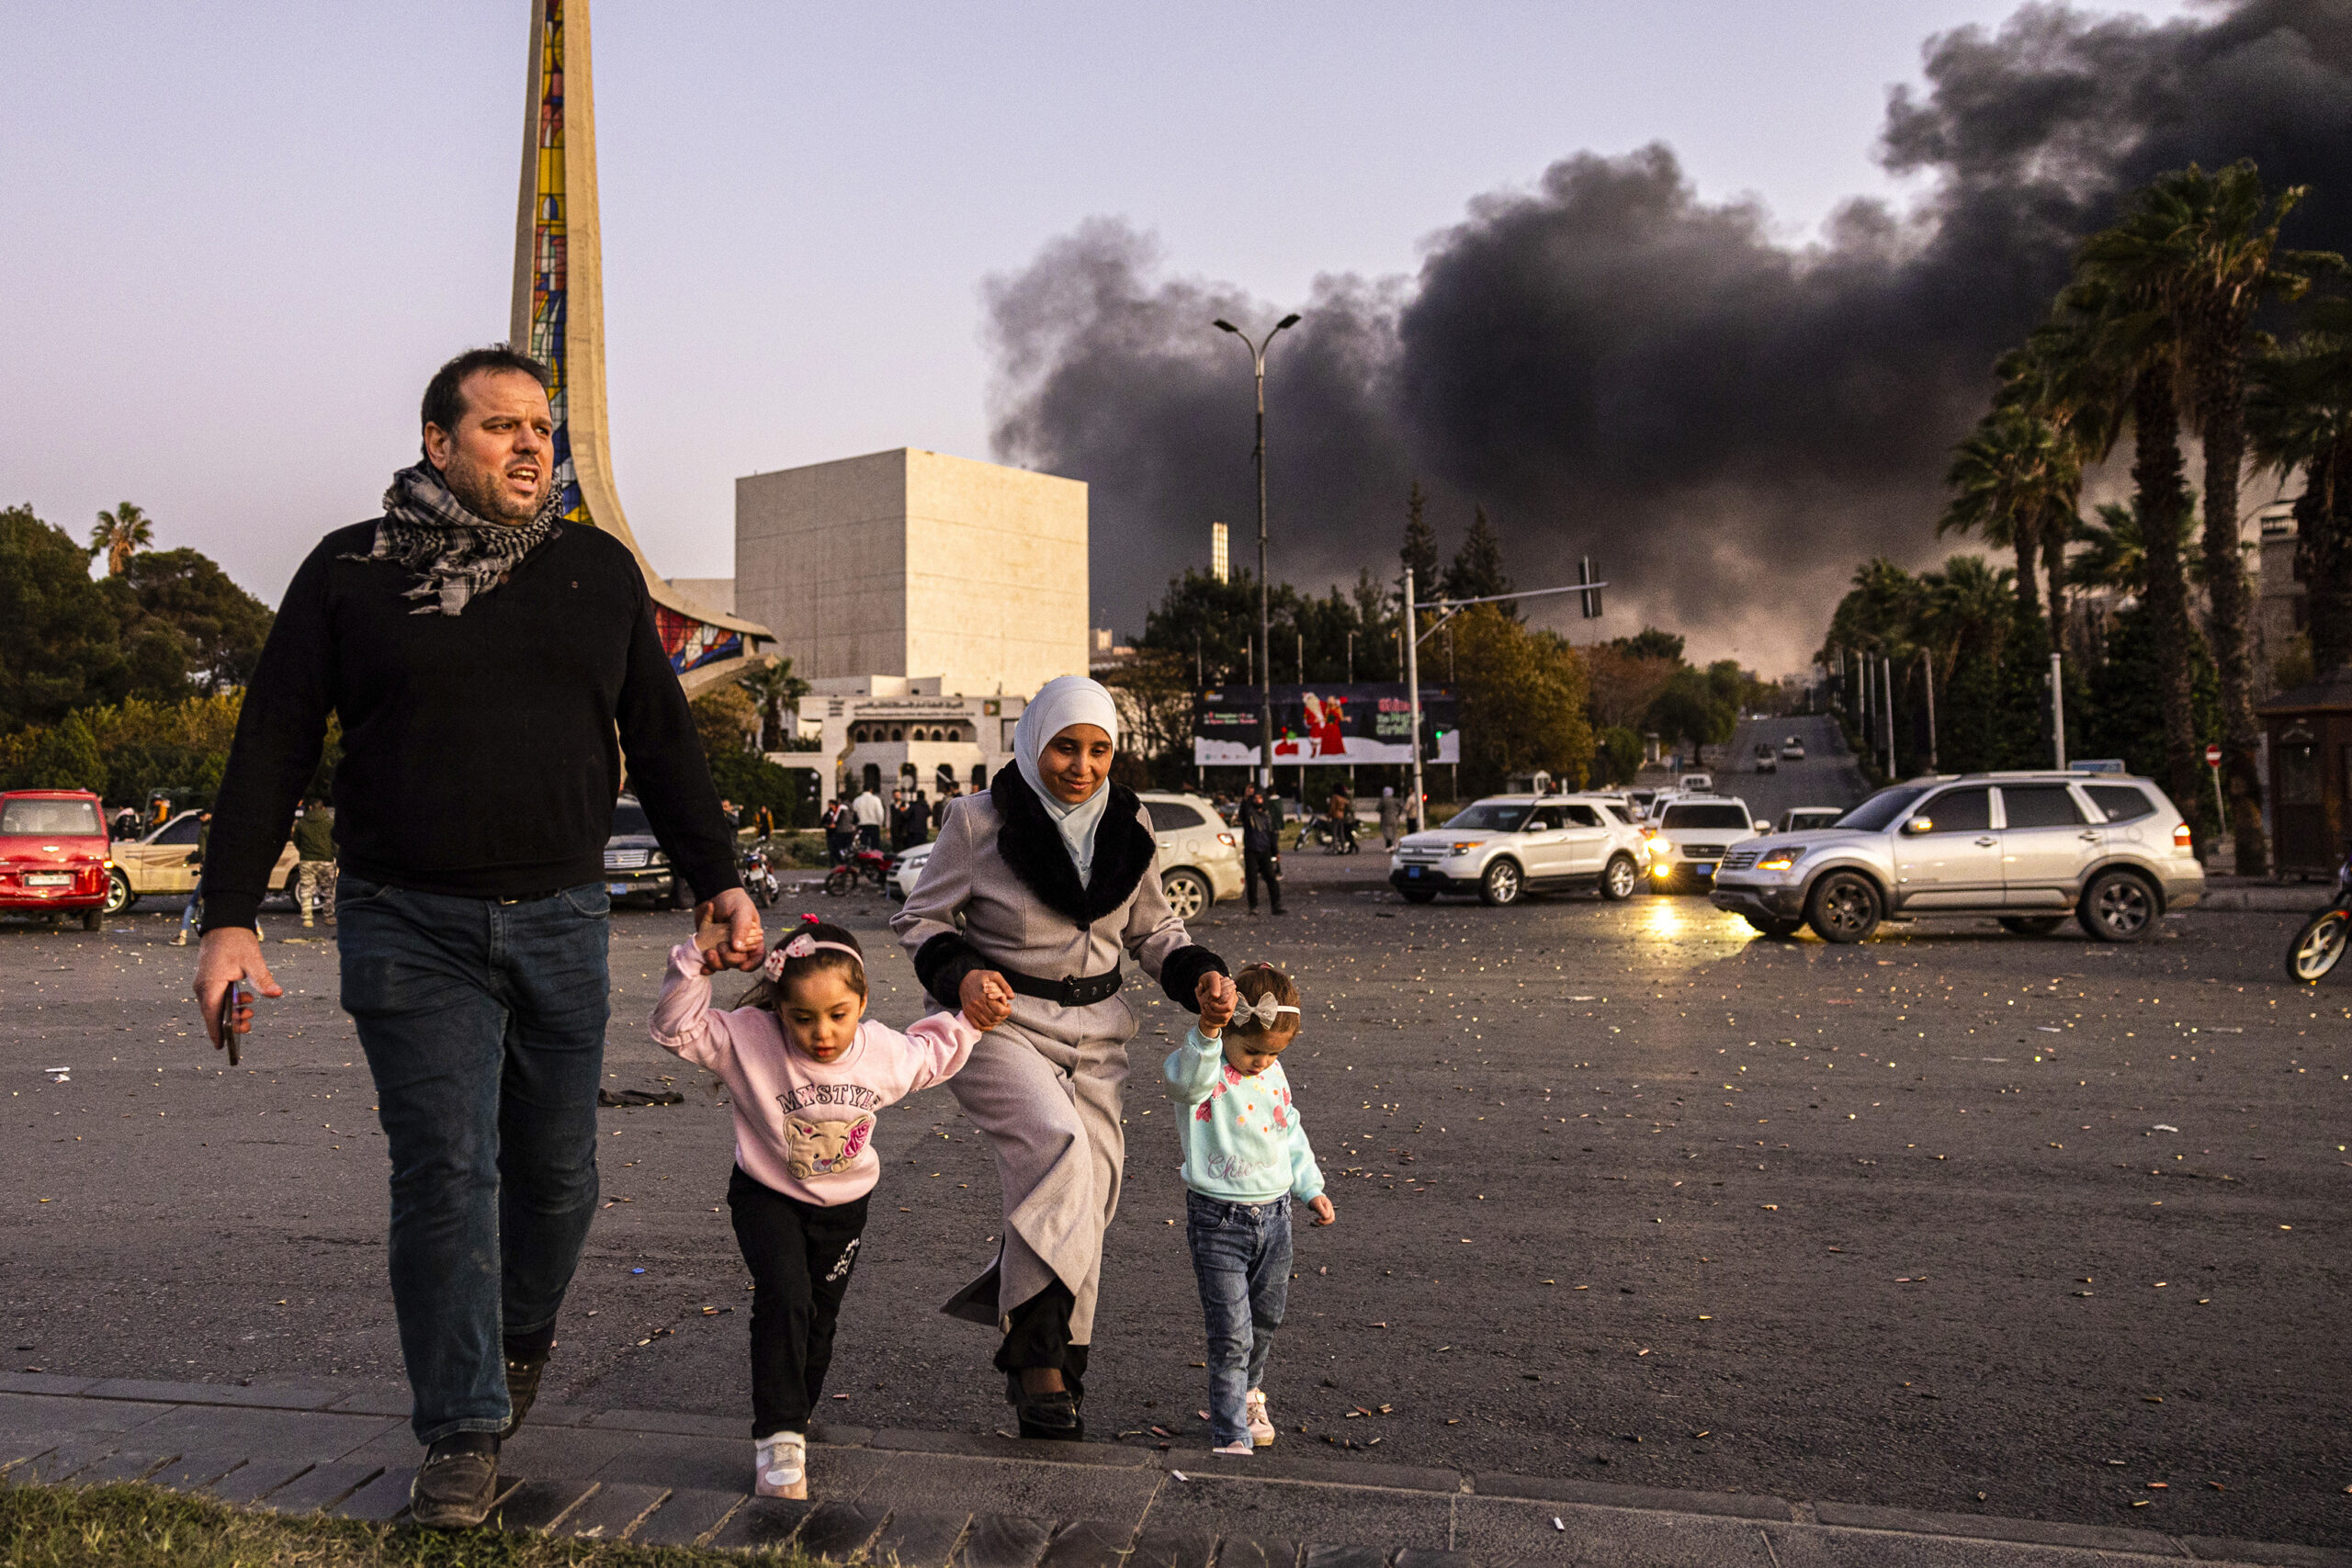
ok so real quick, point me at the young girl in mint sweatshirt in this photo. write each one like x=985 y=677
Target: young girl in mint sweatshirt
x=1246 y=1157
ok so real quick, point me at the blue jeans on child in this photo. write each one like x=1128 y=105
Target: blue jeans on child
x=484 y=1021
x=1241 y=1258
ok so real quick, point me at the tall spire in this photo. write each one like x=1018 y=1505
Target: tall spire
x=559 y=317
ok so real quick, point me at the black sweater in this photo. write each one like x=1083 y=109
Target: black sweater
x=481 y=751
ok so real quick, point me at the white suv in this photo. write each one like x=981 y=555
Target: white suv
x=1690 y=833
x=1508 y=844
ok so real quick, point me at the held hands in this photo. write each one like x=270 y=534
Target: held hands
x=1324 y=1213
x=1217 y=996
x=743 y=946
x=229 y=953
x=987 y=999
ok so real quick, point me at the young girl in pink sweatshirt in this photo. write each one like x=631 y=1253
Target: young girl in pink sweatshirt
x=806 y=1070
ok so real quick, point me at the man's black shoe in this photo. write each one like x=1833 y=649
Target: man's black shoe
x=458 y=1481
x=522 y=1388
x=1050 y=1415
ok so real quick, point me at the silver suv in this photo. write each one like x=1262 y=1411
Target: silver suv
x=2026 y=847
x=1508 y=844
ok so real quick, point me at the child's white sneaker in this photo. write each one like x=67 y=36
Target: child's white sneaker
x=783 y=1466
x=1262 y=1427
x=1241 y=1448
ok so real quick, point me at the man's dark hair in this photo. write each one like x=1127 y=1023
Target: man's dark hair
x=445 y=401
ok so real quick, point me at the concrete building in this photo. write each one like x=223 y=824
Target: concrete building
x=923 y=596
x=2282 y=609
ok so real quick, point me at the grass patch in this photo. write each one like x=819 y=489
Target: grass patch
x=143 y=1526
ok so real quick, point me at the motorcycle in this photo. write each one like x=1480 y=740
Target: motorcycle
x=759 y=876
x=863 y=865
x=2320 y=945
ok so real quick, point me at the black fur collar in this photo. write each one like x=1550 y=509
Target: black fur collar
x=1031 y=845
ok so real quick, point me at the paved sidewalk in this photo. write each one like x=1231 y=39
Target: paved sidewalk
x=955 y=1500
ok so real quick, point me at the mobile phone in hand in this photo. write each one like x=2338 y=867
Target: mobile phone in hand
x=231 y=999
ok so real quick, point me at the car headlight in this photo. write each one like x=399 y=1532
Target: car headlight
x=1781 y=860
x=1657 y=844
x=657 y=858
x=1463 y=849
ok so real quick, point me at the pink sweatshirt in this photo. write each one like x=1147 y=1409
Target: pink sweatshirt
x=803 y=1127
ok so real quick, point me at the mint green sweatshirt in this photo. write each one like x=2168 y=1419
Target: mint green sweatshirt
x=1243 y=1141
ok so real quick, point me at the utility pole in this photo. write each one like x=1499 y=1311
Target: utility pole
x=1351 y=681
x=2058 y=708
x=1265 y=616
x=1927 y=663
x=1887 y=679
x=1413 y=697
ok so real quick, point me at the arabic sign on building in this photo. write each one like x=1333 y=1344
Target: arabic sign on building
x=1336 y=724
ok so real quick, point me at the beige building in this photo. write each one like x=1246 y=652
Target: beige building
x=908 y=563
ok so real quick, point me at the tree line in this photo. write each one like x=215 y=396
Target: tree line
x=1530 y=700
x=2188 y=316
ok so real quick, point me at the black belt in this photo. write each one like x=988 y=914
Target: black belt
x=1070 y=991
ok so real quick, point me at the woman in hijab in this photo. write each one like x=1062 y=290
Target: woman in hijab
x=1043 y=880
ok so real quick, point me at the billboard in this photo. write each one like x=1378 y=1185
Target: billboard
x=1336 y=724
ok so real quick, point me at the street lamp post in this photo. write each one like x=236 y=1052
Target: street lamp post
x=1265 y=614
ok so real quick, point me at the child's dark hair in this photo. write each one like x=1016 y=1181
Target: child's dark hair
x=1265 y=980
x=770 y=993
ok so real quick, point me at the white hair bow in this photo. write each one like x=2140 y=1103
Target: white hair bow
x=1265 y=1010
x=801 y=946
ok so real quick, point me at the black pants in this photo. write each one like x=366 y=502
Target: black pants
x=800 y=1255
x=1256 y=863
x=837 y=845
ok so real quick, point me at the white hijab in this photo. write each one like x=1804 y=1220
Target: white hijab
x=1060 y=703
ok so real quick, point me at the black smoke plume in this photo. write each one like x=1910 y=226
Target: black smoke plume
x=1615 y=367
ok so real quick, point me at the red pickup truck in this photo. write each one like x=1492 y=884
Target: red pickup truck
x=53 y=858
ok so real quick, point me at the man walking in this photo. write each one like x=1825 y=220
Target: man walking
x=1261 y=844
x=868 y=811
x=314 y=864
x=490 y=664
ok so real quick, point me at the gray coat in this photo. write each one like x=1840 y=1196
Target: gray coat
x=1045 y=1087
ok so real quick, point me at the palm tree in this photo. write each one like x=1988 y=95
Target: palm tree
x=2203 y=250
x=1963 y=612
x=2298 y=415
x=2058 y=378
x=119 y=535
x=770 y=688
x=2122 y=351
x=2012 y=480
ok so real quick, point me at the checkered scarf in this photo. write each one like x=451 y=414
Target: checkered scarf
x=455 y=553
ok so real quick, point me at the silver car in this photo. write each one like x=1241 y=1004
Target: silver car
x=2026 y=847
x=1200 y=857
x=1508 y=844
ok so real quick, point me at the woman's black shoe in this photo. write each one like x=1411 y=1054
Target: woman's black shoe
x=1053 y=1416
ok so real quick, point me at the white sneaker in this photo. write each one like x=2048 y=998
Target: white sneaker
x=1241 y=1448
x=1253 y=1410
x=782 y=1468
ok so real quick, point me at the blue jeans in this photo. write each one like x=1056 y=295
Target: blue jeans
x=483 y=1022
x=1241 y=1258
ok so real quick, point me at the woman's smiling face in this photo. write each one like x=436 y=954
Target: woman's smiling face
x=1075 y=762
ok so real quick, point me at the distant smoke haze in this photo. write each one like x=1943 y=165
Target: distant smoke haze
x=1614 y=366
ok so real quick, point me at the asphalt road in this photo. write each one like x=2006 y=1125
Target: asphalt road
x=1623 y=1194
x=1827 y=775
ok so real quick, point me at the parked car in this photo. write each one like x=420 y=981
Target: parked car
x=906 y=869
x=635 y=866
x=1641 y=800
x=1506 y=845
x=1793 y=749
x=1765 y=761
x=1805 y=819
x=53 y=854
x=1689 y=835
x=159 y=863
x=1695 y=783
x=2026 y=847
x=1200 y=856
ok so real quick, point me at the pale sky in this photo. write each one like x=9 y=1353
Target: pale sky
x=240 y=237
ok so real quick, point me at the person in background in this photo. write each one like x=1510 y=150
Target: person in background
x=841 y=828
x=314 y=870
x=1343 y=820
x=764 y=823
x=871 y=815
x=948 y=790
x=733 y=813
x=1261 y=845
x=192 y=913
x=914 y=821
x=1392 y=816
